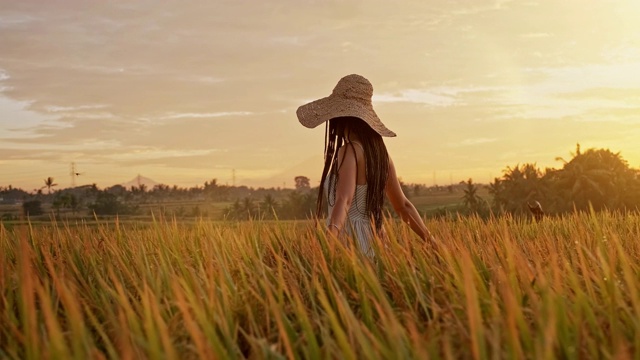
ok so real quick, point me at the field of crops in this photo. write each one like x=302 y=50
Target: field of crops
x=562 y=288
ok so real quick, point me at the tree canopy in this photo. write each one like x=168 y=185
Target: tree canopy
x=596 y=178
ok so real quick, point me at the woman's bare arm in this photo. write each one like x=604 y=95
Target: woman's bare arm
x=345 y=188
x=403 y=207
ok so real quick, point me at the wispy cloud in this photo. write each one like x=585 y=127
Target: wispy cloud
x=618 y=75
x=89 y=116
x=536 y=35
x=16 y=19
x=203 y=79
x=149 y=153
x=83 y=145
x=17 y=121
x=54 y=108
x=174 y=116
x=424 y=97
x=290 y=40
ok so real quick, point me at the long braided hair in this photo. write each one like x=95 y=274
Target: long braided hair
x=376 y=163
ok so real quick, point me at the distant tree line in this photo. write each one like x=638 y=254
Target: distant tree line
x=297 y=204
x=595 y=178
x=246 y=202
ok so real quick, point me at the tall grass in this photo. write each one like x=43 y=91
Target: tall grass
x=561 y=288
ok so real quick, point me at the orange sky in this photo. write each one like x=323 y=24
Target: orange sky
x=183 y=93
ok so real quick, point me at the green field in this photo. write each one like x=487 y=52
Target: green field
x=562 y=288
x=427 y=203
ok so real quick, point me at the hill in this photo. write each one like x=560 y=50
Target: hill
x=140 y=180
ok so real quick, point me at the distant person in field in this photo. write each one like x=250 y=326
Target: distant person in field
x=358 y=171
x=536 y=210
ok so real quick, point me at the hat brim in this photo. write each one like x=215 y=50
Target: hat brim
x=325 y=109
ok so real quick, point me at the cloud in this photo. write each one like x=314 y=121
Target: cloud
x=54 y=108
x=203 y=79
x=4 y=75
x=556 y=92
x=204 y=115
x=563 y=79
x=13 y=20
x=88 y=116
x=17 y=121
x=149 y=153
x=152 y=75
x=424 y=97
x=290 y=40
x=84 y=145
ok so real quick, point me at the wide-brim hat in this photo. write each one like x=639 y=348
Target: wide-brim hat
x=351 y=97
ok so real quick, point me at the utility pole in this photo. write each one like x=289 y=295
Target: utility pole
x=73 y=174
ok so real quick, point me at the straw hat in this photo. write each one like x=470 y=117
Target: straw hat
x=351 y=97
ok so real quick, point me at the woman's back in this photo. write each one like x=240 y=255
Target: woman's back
x=358 y=223
x=361 y=174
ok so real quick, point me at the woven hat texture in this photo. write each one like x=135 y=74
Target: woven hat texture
x=351 y=97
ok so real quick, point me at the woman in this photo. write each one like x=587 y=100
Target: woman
x=358 y=171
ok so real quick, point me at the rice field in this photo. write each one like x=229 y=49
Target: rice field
x=563 y=288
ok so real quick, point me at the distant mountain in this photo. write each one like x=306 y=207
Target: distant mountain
x=310 y=167
x=136 y=181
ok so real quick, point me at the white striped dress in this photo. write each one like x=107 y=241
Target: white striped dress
x=358 y=224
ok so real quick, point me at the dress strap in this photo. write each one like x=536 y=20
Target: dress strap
x=356 y=143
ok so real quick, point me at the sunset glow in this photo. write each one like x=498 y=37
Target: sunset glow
x=183 y=93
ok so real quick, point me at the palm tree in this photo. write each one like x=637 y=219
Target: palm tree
x=268 y=205
x=518 y=185
x=470 y=197
x=234 y=212
x=48 y=183
x=592 y=177
x=248 y=208
x=496 y=188
x=472 y=201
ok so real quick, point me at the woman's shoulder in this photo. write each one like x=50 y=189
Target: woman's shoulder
x=352 y=153
x=352 y=147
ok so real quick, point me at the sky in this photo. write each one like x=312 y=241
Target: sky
x=185 y=92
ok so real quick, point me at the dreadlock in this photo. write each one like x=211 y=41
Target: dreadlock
x=376 y=163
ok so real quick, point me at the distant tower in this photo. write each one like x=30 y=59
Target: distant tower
x=73 y=172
